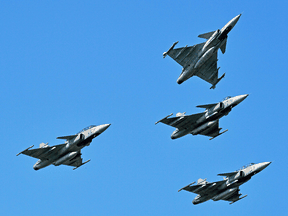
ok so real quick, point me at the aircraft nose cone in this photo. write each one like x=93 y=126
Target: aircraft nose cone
x=265 y=164
x=241 y=98
x=238 y=17
x=232 y=23
x=105 y=126
x=262 y=166
x=35 y=168
x=235 y=20
x=244 y=96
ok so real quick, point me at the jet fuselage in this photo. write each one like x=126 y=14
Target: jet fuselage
x=72 y=147
x=209 y=118
x=217 y=40
x=230 y=186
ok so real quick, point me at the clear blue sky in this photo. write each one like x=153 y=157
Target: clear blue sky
x=69 y=64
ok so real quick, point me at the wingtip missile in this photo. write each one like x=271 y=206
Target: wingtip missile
x=187 y=186
x=163 y=118
x=214 y=85
x=81 y=164
x=218 y=134
x=172 y=47
x=238 y=199
x=25 y=150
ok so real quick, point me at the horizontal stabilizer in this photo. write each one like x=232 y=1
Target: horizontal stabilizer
x=67 y=137
x=227 y=174
x=206 y=35
x=207 y=106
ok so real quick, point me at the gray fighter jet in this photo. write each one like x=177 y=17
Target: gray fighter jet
x=201 y=59
x=205 y=123
x=68 y=153
x=227 y=189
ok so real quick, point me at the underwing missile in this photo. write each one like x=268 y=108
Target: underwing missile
x=238 y=199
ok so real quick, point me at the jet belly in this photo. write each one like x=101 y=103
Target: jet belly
x=203 y=127
x=46 y=162
x=211 y=42
x=225 y=194
x=65 y=158
x=207 y=55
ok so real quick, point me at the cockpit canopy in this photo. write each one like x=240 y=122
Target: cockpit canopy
x=86 y=128
x=248 y=165
x=228 y=97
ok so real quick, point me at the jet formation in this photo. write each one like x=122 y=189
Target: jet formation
x=201 y=59
x=68 y=153
x=198 y=60
x=227 y=189
x=205 y=123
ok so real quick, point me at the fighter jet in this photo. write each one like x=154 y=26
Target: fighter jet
x=227 y=189
x=68 y=153
x=201 y=59
x=205 y=123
